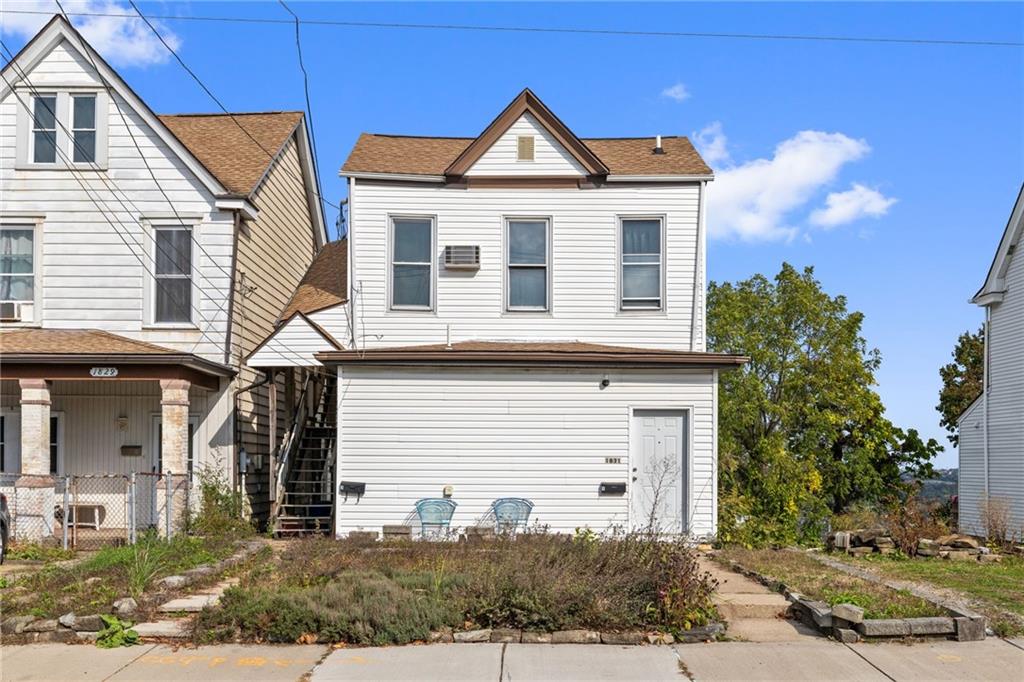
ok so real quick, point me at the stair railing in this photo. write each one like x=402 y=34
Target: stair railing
x=291 y=441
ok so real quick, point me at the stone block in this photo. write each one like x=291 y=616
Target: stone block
x=865 y=536
x=860 y=551
x=818 y=611
x=970 y=629
x=173 y=582
x=925 y=543
x=623 y=638
x=505 y=636
x=931 y=626
x=841 y=539
x=62 y=636
x=884 y=627
x=91 y=623
x=990 y=558
x=575 y=637
x=441 y=636
x=927 y=552
x=397 y=532
x=48 y=625
x=125 y=606
x=884 y=541
x=848 y=612
x=67 y=620
x=15 y=625
x=534 y=637
x=363 y=535
x=704 y=633
x=845 y=635
x=960 y=555
x=965 y=542
x=473 y=636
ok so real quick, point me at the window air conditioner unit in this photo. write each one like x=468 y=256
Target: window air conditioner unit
x=462 y=257
x=10 y=311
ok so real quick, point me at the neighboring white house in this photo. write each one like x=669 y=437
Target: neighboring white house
x=519 y=314
x=141 y=258
x=992 y=428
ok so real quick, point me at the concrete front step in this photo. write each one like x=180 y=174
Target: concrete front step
x=769 y=630
x=735 y=607
x=176 y=628
x=191 y=604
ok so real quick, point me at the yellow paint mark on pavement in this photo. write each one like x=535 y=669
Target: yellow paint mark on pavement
x=950 y=658
x=253 y=661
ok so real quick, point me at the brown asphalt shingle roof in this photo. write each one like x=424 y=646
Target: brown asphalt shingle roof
x=325 y=283
x=227 y=151
x=75 y=342
x=375 y=153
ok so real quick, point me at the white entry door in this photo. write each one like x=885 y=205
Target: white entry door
x=658 y=469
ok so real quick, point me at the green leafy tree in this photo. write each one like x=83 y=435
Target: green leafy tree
x=802 y=431
x=962 y=380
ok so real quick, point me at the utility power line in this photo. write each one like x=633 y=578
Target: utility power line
x=557 y=30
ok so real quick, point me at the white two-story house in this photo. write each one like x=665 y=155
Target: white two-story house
x=141 y=258
x=991 y=477
x=518 y=314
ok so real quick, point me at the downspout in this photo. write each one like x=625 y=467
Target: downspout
x=698 y=270
x=351 y=262
x=984 y=391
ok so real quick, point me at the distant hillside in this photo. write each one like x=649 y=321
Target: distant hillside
x=940 y=488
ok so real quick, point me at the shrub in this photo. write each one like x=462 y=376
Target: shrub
x=995 y=515
x=221 y=508
x=911 y=520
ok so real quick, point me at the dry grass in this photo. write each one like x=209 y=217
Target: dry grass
x=345 y=591
x=809 y=577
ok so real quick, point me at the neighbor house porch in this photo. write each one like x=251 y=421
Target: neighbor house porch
x=108 y=419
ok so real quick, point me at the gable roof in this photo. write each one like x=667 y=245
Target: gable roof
x=437 y=158
x=325 y=283
x=225 y=149
x=526 y=102
x=995 y=283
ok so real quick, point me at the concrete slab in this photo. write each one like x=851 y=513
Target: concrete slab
x=1017 y=642
x=730 y=582
x=812 y=659
x=62 y=662
x=990 y=659
x=434 y=662
x=769 y=630
x=219 y=588
x=171 y=628
x=223 y=663
x=734 y=607
x=544 y=662
x=191 y=604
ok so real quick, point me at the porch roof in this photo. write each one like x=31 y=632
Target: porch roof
x=524 y=353
x=71 y=353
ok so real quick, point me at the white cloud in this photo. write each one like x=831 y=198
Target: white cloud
x=712 y=143
x=845 y=207
x=753 y=201
x=123 y=41
x=678 y=92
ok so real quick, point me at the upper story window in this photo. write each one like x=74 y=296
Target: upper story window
x=527 y=256
x=83 y=131
x=173 y=275
x=44 y=129
x=412 y=263
x=641 y=264
x=61 y=129
x=17 y=264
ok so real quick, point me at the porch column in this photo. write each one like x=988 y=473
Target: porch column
x=174 y=426
x=35 y=427
x=35 y=490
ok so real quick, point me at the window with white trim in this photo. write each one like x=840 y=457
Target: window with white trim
x=172 y=274
x=83 y=128
x=17 y=264
x=527 y=251
x=641 y=264
x=412 y=263
x=44 y=129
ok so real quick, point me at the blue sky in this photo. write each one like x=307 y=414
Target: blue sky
x=891 y=168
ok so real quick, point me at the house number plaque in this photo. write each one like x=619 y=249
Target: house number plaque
x=613 y=460
x=103 y=372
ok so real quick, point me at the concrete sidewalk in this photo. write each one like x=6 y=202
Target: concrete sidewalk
x=810 y=659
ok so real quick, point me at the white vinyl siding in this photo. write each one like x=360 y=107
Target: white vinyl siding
x=551 y=436
x=584 y=264
x=549 y=157
x=293 y=344
x=94 y=264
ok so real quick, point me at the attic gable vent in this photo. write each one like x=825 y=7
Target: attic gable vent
x=525 y=148
x=462 y=257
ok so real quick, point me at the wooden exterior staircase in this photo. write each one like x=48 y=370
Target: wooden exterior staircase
x=305 y=489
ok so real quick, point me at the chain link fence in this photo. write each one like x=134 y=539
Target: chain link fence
x=96 y=510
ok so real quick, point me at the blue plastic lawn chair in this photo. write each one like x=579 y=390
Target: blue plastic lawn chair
x=435 y=516
x=511 y=514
